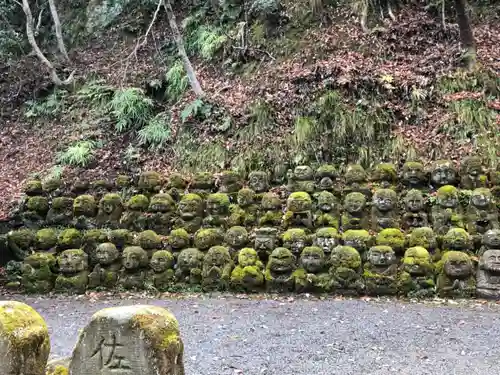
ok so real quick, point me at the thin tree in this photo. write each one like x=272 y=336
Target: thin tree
x=466 y=36
x=57 y=24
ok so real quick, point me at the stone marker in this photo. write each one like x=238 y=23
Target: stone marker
x=129 y=340
x=24 y=340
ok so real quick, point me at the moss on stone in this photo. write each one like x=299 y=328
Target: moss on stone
x=270 y=201
x=392 y=237
x=328 y=232
x=299 y=202
x=354 y=235
x=33 y=187
x=245 y=197
x=38 y=204
x=84 y=205
x=163 y=202
x=326 y=170
x=294 y=234
x=385 y=172
x=148 y=240
x=236 y=236
x=219 y=199
x=447 y=191
x=176 y=181
x=22 y=238
x=62 y=203
x=122 y=181
x=179 y=238
x=345 y=256
x=150 y=181
x=46 y=239
x=38 y=275
x=70 y=239
x=355 y=173
x=52 y=184
x=423 y=237
x=457 y=239
x=203 y=180
x=206 y=238
x=120 y=237
x=138 y=202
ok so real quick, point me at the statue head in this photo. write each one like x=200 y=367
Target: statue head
x=381 y=256
x=385 y=172
x=355 y=173
x=236 y=237
x=190 y=206
x=490 y=261
x=138 y=202
x=472 y=166
x=247 y=257
x=295 y=239
x=218 y=204
x=325 y=176
x=134 y=257
x=414 y=173
x=354 y=203
x=270 y=202
x=149 y=240
x=447 y=196
x=246 y=197
x=190 y=258
x=258 y=181
x=392 y=237
x=299 y=202
x=106 y=253
x=491 y=239
x=423 y=237
x=326 y=239
x=303 y=173
x=414 y=201
x=162 y=202
x=417 y=261
x=265 y=239
x=385 y=200
x=73 y=261
x=345 y=257
x=326 y=201
x=161 y=261
x=359 y=239
x=206 y=238
x=178 y=239
x=312 y=259
x=443 y=172
x=456 y=264
x=457 y=239
x=110 y=202
x=281 y=260
x=481 y=198
x=217 y=256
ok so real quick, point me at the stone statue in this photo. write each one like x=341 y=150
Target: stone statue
x=248 y=275
x=447 y=213
x=176 y=186
x=455 y=275
x=229 y=182
x=326 y=178
x=177 y=240
x=271 y=211
x=385 y=176
x=161 y=274
x=60 y=212
x=355 y=215
x=189 y=265
x=135 y=217
x=488 y=275
x=70 y=238
x=258 y=181
x=204 y=239
x=380 y=271
x=203 y=184
x=345 y=271
x=84 y=212
x=217 y=211
x=133 y=275
x=298 y=212
x=110 y=211
x=265 y=241
x=384 y=210
x=161 y=212
x=443 y=173
x=216 y=270
x=327 y=239
x=328 y=212
x=414 y=176
x=482 y=214
x=415 y=215
x=490 y=241
x=295 y=240
x=38 y=273
x=121 y=238
x=472 y=174
x=312 y=275
x=279 y=271
x=149 y=241
x=245 y=212
x=74 y=274
x=301 y=179
x=190 y=213
x=356 y=180
x=416 y=279
x=20 y=243
x=359 y=239
x=394 y=238
x=426 y=238
x=105 y=273
x=457 y=239
x=236 y=238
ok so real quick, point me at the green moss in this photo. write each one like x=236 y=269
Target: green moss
x=62 y=203
x=122 y=181
x=163 y=202
x=413 y=165
x=345 y=256
x=94 y=236
x=206 y=238
x=392 y=237
x=423 y=237
x=221 y=199
x=150 y=181
x=176 y=181
x=33 y=187
x=22 y=238
x=270 y=201
x=457 y=239
x=246 y=197
x=179 y=238
x=355 y=234
x=203 y=180
x=38 y=204
x=327 y=232
x=294 y=234
x=299 y=202
x=326 y=170
x=46 y=239
x=148 y=240
x=138 y=202
x=447 y=191
x=355 y=173
x=385 y=172
x=454 y=256
x=236 y=236
x=52 y=185
x=84 y=205
x=111 y=199
x=120 y=237
x=413 y=254
x=70 y=239
x=58 y=370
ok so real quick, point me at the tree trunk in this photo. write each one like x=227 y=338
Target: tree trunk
x=195 y=84
x=57 y=24
x=466 y=35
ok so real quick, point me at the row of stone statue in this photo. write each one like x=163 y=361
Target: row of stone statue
x=136 y=339
x=354 y=268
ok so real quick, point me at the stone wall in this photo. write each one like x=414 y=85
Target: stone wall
x=412 y=232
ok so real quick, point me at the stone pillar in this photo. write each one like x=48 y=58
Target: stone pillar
x=129 y=340
x=24 y=340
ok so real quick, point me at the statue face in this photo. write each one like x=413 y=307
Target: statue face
x=217 y=256
x=236 y=238
x=71 y=261
x=281 y=260
x=108 y=207
x=326 y=202
x=491 y=260
x=414 y=202
x=161 y=261
x=480 y=200
x=355 y=204
x=381 y=258
x=448 y=201
x=271 y=202
x=247 y=257
x=189 y=209
x=414 y=174
x=244 y=200
x=457 y=268
x=264 y=241
x=214 y=208
x=312 y=261
x=325 y=243
x=106 y=254
x=190 y=258
x=296 y=245
x=474 y=169
x=491 y=239
x=131 y=260
x=303 y=173
x=326 y=183
x=258 y=181
x=177 y=242
x=384 y=202
x=443 y=174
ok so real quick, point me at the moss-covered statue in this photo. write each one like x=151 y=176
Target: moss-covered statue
x=279 y=271
x=482 y=214
x=265 y=241
x=443 y=173
x=326 y=177
x=134 y=261
x=447 y=212
x=359 y=239
x=245 y=212
x=217 y=211
x=121 y=238
x=355 y=214
x=91 y=240
x=301 y=179
x=46 y=239
x=490 y=241
x=384 y=210
x=298 y=212
x=161 y=273
x=258 y=181
x=394 y=238
x=236 y=238
x=426 y=238
x=415 y=215
x=176 y=185
x=229 y=182
x=203 y=184
x=70 y=238
x=161 y=212
x=384 y=176
x=356 y=180
x=149 y=241
x=416 y=278
x=177 y=240
x=455 y=275
x=190 y=213
x=35 y=211
x=135 y=217
x=84 y=212
x=204 y=239
x=105 y=272
x=326 y=238
x=457 y=239
x=414 y=176
x=60 y=212
x=189 y=266
x=311 y=276
x=345 y=272
x=150 y=182
x=472 y=174
x=295 y=240
x=110 y=211
x=216 y=270
x=380 y=271
x=38 y=273
x=328 y=210
x=21 y=243
x=488 y=275
x=13 y=274
x=248 y=275
x=73 y=271
x=270 y=211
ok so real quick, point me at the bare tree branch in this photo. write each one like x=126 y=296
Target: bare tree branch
x=57 y=24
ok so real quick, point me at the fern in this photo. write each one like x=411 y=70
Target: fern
x=196 y=109
x=79 y=154
x=208 y=42
x=177 y=81
x=50 y=107
x=156 y=133
x=95 y=92
x=130 y=108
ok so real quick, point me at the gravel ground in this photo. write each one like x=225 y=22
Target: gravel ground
x=228 y=335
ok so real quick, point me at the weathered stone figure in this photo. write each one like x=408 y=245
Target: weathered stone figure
x=298 y=211
x=311 y=276
x=203 y=184
x=161 y=213
x=258 y=181
x=384 y=176
x=133 y=274
x=415 y=215
x=105 y=273
x=279 y=270
x=356 y=180
x=414 y=176
x=384 y=210
x=380 y=271
x=270 y=210
x=456 y=276
x=60 y=212
x=416 y=278
x=161 y=274
x=447 y=213
x=177 y=240
x=326 y=177
x=265 y=242
x=301 y=179
x=204 y=239
x=236 y=238
x=217 y=211
x=244 y=213
x=248 y=275
x=73 y=271
x=190 y=213
x=426 y=238
x=129 y=340
x=20 y=243
x=482 y=214
x=345 y=271
x=189 y=265
x=443 y=173
x=39 y=273
x=490 y=241
x=328 y=210
x=110 y=210
x=24 y=340
x=488 y=275
x=355 y=215
x=216 y=270
x=394 y=238
x=472 y=174
x=295 y=240
x=359 y=239
x=327 y=238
